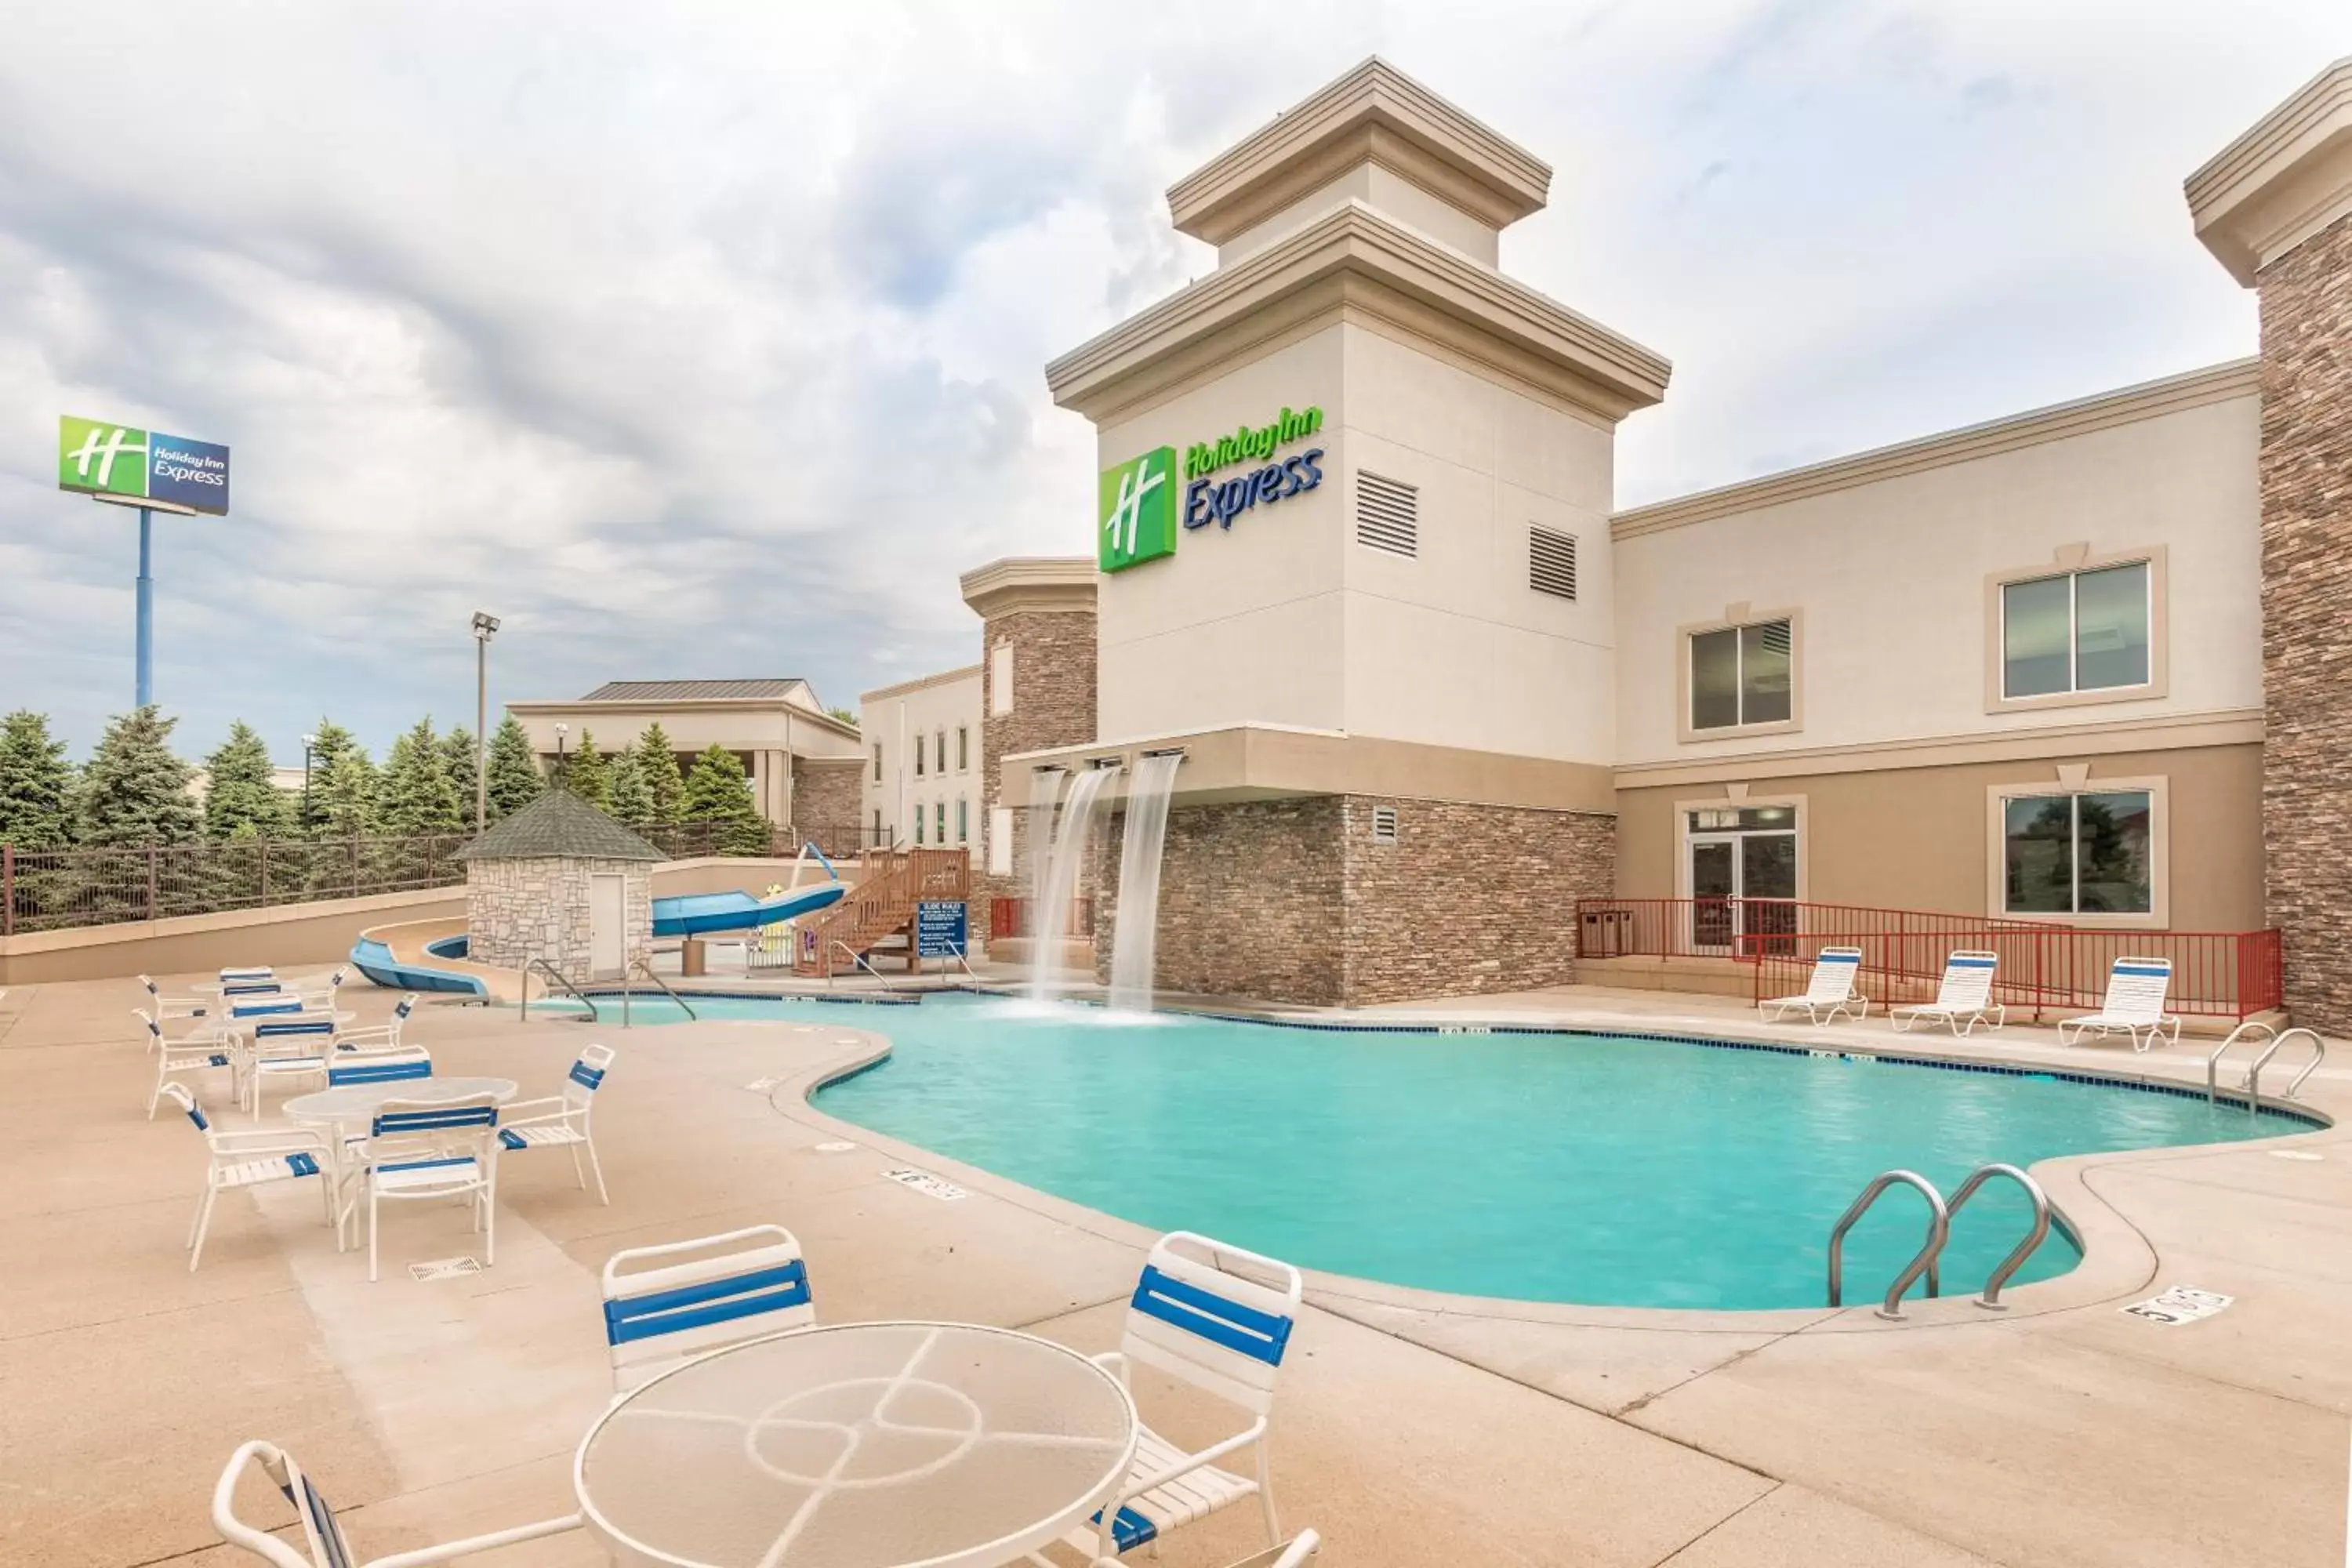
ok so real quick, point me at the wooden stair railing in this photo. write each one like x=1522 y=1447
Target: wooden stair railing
x=882 y=903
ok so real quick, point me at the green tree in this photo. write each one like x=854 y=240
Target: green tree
x=846 y=715
x=587 y=774
x=330 y=744
x=414 y=796
x=35 y=784
x=136 y=790
x=241 y=795
x=717 y=790
x=633 y=797
x=343 y=798
x=657 y=759
x=457 y=762
x=514 y=770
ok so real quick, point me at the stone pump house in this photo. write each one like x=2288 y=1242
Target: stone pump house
x=559 y=880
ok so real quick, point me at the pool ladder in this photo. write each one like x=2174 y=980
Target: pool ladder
x=2253 y=1084
x=1939 y=1232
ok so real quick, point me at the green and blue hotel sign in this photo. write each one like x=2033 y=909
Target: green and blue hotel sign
x=154 y=472
x=1138 y=502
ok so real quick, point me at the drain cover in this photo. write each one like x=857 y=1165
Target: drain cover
x=445 y=1268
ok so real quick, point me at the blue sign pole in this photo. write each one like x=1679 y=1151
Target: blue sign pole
x=146 y=655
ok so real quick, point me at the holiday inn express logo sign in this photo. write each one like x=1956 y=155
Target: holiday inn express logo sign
x=1137 y=504
x=100 y=459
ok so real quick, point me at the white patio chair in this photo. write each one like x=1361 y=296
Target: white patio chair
x=323 y=1536
x=378 y=1066
x=2134 y=1006
x=163 y=1009
x=251 y=972
x=1219 y=1319
x=426 y=1149
x=202 y=1049
x=1291 y=1553
x=382 y=1037
x=318 y=994
x=1966 y=993
x=1831 y=994
x=251 y=1159
x=750 y=1284
x=561 y=1120
x=281 y=1047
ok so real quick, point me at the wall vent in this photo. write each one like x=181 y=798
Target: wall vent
x=1387 y=515
x=1551 y=562
x=1384 y=825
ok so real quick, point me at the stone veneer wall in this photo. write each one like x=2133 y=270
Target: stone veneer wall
x=1053 y=705
x=828 y=797
x=1292 y=900
x=2307 y=489
x=517 y=910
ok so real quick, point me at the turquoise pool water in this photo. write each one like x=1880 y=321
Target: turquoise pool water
x=1586 y=1168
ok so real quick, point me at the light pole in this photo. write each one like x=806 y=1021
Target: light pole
x=310 y=744
x=561 y=730
x=486 y=626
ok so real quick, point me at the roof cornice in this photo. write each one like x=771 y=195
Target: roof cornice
x=1599 y=369
x=1374 y=113
x=2285 y=180
x=920 y=683
x=2149 y=400
x=1019 y=583
x=544 y=708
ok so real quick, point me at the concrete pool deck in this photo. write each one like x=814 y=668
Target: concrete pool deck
x=1411 y=1429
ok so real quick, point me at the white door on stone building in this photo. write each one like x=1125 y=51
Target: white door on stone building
x=608 y=913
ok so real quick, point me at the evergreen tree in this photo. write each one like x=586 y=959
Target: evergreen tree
x=414 y=797
x=330 y=744
x=717 y=790
x=658 y=761
x=633 y=797
x=514 y=771
x=342 y=800
x=587 y=775
x=457 y=762
x=35 y=784
x=241 y=798
x=135 y=791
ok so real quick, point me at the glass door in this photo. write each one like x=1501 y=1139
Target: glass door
x=1714 y=884
x=1743 y=879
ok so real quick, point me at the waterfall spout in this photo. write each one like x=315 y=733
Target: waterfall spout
x=1061 y=883
x=1135 y=940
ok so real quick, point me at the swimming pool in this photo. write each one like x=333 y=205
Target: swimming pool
x=1601 y=1169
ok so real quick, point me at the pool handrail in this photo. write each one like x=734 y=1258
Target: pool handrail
x=1990 y=1297
x=2254 y=1073
x=1940 y=1230
x=549 y=969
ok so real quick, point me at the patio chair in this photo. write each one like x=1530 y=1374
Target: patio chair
x=666 y=1315
x=251 y=1159
x=204 y=1049
x=1291 y=1553
x=426 y=1149
x=1966 y=993
x=1831 y=994
x=378 y=1066
x=379 y=1037
x=2134 y=1006
x=281 y=1045
x=163 y=1009
x=561 y=1120
x=323 y=1536
x=1219 y=1319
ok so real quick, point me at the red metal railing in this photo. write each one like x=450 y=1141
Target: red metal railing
x=1018 y=917
x=2045 y=968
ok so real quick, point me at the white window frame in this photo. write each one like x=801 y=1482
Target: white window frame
x=2073 y=780
x=2072 y=561
x=1738 y=617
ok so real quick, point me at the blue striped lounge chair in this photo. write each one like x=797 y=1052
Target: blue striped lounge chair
x=1965 y=995
x=1218 y=1318
x=1833 y=992
x=666 y=1305
x=426 y=1150
x=322 y=1534
x=161 y=1009
x=249 y=1159
x=202 y=1049
x=384 y=1036
x=282 y=1045
x=561 y=1120
x=2136 y=989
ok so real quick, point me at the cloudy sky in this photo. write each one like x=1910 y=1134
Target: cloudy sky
x=707 y=339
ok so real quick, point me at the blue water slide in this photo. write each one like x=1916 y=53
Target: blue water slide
x=375 y=961
x=696 y=914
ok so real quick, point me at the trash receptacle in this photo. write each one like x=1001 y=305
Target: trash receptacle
x=690 y=961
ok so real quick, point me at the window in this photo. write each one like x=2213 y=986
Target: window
x=878 y=828
x=2084 y=852
x=2075 y=631
x=939 y=749
x=918 y=755
x=1387 y=515
x=963 y=820
x=963 y=749
x=877 y=761
x=918 y=822
x=1742 y=676
x=939 y=819
x=1551 y=562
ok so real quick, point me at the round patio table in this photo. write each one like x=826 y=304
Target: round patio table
x=892 y=1445
x=360 y=1101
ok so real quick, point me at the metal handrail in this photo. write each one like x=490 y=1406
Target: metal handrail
x=657 y=980
x=2254 y=1072
x=957 y=954
x=557 y=976
x=2214 y=1062
x=858 y=958
x=1990 y=1297
x=1939 y=1230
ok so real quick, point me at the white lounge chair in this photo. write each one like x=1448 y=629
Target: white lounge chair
x=384 y=1036
x=1966 y=993
x=744 y=1285
x=1830 y=994
x=1217 y=1317
x=251 y=1159
x=425 y=1149
x=322 y=1537
x=202 y=1049
x=561 y=1120
x=2134 y=1006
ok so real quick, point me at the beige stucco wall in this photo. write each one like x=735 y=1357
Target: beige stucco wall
x=1890 y=577
x=893 y=717
x=1919 y=838
x=1393 y=194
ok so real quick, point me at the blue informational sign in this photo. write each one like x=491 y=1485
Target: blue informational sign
x=181 y=472
x=940 y=929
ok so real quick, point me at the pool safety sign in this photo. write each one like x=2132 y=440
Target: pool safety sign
x=125 y=463
x=2180 y=1304
x=940 y=929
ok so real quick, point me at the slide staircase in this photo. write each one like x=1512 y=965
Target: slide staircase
x=881 y=905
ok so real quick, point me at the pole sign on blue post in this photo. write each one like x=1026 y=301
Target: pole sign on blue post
x=940 y=929
x=131 y=466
